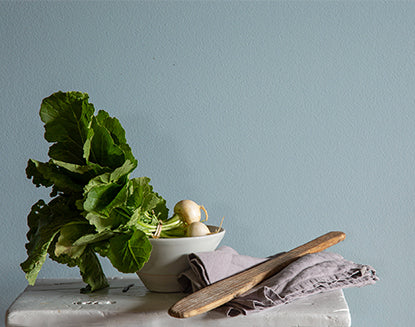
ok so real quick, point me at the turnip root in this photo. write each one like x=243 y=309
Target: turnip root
x=197 y=229
x=189 y=211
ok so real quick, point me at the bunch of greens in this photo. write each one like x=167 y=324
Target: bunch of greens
x=95 y=207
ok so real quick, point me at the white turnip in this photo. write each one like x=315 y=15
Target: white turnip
x=197 y=229
x=189 y=211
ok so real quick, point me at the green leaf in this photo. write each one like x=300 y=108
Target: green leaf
x=91 y=271
x=85 y=172
x=110 y=222
x=68 y=235
x=101 y=247
x=39 y=241
x=106 y=144
x=141 y=195
x=34 y=171
x=93 y=238
x=89 y=167
x=62 y=258
x=101 y=196
x=129 y=252
x=113 y=125
x=89 y=266
x=117 y=133
x=48 y=174
x=45 y=222
x=118 y=175
x=109 y=207
x=67 y=117
x=103 y=150
x=108 y=191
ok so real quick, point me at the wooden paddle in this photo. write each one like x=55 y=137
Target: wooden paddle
x=223 y=291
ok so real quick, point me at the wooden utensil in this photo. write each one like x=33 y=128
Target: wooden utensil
x=223 y=291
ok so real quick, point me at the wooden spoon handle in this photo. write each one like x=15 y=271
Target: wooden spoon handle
x=223 y=291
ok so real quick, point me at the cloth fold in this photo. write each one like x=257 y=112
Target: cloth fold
x=311 y=274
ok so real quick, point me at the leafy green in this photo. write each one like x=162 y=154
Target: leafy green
x=95 y=207
x=129 y=252
x=68 y=235
x=45 y=221
x=142 y=196
x=91 y=271
x=107 y=143
x=112 y=222
x=93 y=238
x=104 y=191
x=67 y=117
x=48 y=174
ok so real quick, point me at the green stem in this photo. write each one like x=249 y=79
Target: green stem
x=173 y=227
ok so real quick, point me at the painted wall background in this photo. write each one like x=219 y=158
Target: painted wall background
x=290 y=119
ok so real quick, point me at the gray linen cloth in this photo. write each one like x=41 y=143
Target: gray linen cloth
x=311 y=274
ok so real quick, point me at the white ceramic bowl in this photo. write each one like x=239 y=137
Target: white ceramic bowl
x=168 y=259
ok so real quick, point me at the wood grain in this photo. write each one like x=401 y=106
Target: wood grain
x=227 y=289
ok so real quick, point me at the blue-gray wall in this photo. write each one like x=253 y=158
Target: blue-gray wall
x=290 y=119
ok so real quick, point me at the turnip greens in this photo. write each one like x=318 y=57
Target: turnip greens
x=95 y=208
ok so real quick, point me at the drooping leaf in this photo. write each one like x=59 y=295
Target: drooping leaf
x=89 y=266
x=45 y=222
x=48 y=174
x=84 y=172
x=91 y=271
x=68 y=235
x=62 y=258
x=129 y=252
x=89 y=239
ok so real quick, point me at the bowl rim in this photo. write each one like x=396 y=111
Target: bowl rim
x=189 y=238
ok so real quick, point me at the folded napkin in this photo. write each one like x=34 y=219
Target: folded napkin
x=311 y=274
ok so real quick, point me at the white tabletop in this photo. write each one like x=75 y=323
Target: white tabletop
x=58 y=302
